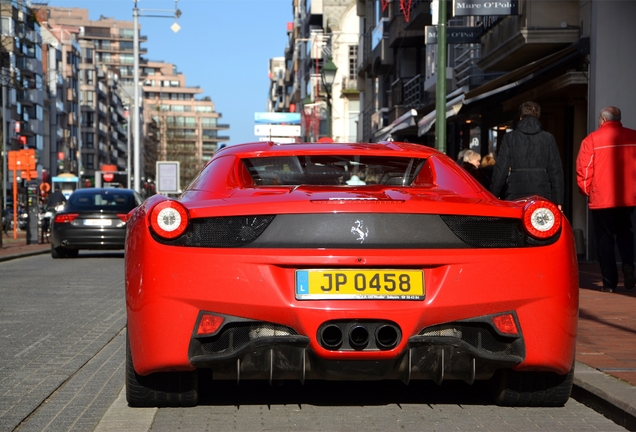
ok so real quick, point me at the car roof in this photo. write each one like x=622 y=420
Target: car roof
x=385 y=147
x=103 y=190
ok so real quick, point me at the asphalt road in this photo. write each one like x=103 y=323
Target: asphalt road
x=62 y=342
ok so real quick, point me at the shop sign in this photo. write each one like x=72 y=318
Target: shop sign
x=485 y=7
x=454 y=35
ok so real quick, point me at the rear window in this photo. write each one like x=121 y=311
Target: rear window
x=346 y=170
x=113 y=201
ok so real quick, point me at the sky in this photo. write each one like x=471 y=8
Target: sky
x=223 y=47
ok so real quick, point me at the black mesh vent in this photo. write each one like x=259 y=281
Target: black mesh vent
x=235 y=337
x=222 y=232
x=492 y=232
x=481 y=337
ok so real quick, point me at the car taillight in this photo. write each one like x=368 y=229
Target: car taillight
x=541 y=219
x=65 y=217
x=169 y=219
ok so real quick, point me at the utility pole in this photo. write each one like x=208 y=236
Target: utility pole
x=440 y=96
x=136 y=130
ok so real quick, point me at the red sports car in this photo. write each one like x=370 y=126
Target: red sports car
x=348 y=262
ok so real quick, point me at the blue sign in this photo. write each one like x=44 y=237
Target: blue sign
x=276 y=118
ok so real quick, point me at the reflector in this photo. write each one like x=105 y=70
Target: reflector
x=209 y=324
x=506 y=324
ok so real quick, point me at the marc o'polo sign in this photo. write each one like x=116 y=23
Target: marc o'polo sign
x=454 y=35
x=485 y=7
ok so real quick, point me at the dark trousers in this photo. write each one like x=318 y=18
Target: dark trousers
x=610 y=223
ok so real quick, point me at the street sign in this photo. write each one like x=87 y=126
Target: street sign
x=168 y=177
x=277 y=130
x=276 y=118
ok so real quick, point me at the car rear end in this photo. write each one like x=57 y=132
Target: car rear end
x=93 y=219
x=405 y=280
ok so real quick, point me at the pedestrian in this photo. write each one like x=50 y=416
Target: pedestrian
x=460 y=156
x=56 y=198
x=528 y=162
x=471 y=163
x=487 y=167
x=605 y=173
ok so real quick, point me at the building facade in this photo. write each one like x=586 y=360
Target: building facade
x=322 y=32
x=188 y=127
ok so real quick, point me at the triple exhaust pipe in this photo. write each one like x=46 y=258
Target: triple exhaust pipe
x=386 y=335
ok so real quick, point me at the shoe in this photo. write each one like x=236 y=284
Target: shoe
x=605 y=289
x=628 y=272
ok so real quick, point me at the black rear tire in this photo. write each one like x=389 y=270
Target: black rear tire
x=57 y=252
x=164 y=389
x=532 y=389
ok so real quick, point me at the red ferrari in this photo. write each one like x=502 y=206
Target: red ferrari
x=348 y=262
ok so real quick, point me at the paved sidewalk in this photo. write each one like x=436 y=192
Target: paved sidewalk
x=605 y=374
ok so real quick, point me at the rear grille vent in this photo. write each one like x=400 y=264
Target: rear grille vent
x=481 y=337
x=492 y=232
x=222 y=232
x=235 y=337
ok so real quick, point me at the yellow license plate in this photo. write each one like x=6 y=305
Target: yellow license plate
x=360 y=284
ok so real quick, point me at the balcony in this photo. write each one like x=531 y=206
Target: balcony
x=381 y=54
x=402 y=36
x=510 y=44
x=466 y=71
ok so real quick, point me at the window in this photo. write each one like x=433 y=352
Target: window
x=329 y=169
x=126 y=33
x=126 y=58
x=353 y=62
x=88 y=55
x=208 y=122
x=6 y=24
x=88 y=140
x=90 y=76
x=90 y=161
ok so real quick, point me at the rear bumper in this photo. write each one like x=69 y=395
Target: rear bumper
x=256 y=350
x=72 y=237
x=167 y=288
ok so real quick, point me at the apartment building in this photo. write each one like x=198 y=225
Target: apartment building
x=187 y=124
x=21 y=76
x=60 y=62
x=323 y=32
x=105 y=73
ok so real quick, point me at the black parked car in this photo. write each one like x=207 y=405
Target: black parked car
x=92 y=219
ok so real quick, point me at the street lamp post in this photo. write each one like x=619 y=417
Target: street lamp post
x=328 y=75
x=175 y=28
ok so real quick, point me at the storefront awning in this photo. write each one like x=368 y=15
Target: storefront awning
x=406 y=120
x=501 y=84
x=452 y=108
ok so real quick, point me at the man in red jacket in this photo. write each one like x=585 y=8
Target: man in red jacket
x=606 y=174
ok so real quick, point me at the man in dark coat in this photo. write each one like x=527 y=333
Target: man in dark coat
x=528 y=162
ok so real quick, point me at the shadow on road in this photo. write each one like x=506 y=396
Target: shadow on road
x=340 y=393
